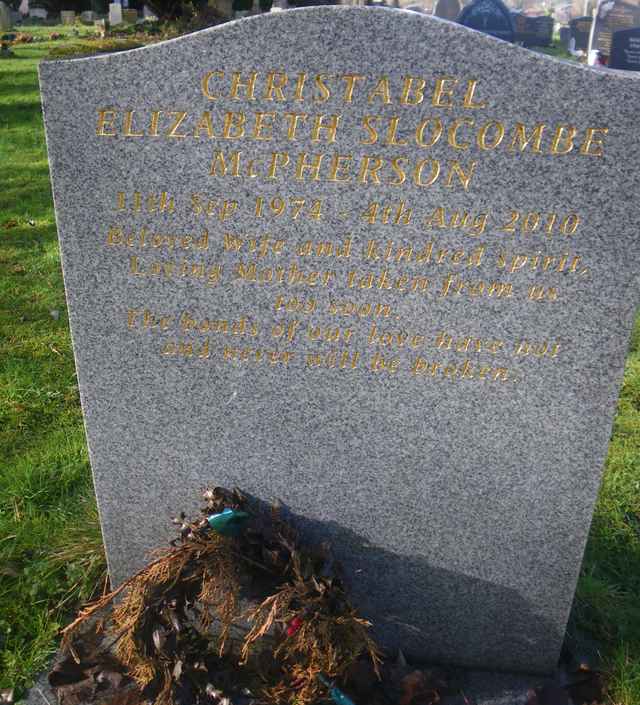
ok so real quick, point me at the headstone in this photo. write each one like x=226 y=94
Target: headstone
x=542 y=31
x=532 y=31
x=565 y=36
x=87 y=16
x=39 y=13
x=580 y=29
x=115 y=13
x=612 y=16
x=447 y=9
x=625 y=50
x=67 y=17
x=5 y=17
x=374 y=280
x=490 y=17
x=24 y=8
x=129 y=16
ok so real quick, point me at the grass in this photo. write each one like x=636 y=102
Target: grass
x=45 y=485
x=50 y=548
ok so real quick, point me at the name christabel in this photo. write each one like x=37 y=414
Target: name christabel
x=458 y=119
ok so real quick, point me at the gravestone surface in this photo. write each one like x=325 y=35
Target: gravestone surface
x=490 y=17
x=447 y=9
x=580 y=29
x=613 y=16
x=565 y=36
x=625 y=50
x=390 y=284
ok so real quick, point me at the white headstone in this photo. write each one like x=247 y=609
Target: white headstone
x=5 y=17
x=38 y=12
x=115 y=13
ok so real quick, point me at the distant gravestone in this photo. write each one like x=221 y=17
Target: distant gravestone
x=580 y=28
x=565 y=36
x=490 y=17
x=613 y=16
x=5 y=17
x=532 y=31
x=447 y=9
x=542 y=30
x=286 y=273
x=129 y=16
x=39 y=13
x=115 y=13
x=67 y=17
x=520 y=28
x=625 y=50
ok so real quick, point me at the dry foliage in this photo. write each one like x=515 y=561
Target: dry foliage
x=246 y=612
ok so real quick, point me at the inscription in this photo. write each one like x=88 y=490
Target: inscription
x=335 y=296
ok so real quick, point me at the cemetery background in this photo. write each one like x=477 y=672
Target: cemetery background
x=50 y=545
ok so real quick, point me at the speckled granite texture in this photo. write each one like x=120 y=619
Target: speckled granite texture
x=457 y=481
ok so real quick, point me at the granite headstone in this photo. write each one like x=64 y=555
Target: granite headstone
x=341 y=258
x=612 y=16
x=490 y=17
x=565 y=37
x=580 y=30
x=447 y=9
x=625 y=50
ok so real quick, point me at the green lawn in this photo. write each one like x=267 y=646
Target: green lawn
x=50 y=556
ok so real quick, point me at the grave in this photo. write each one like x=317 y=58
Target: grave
x=625 y=50
x=612 y=16
x=532 y=31
x=5 y=17
x=447 y=9
x=129 y=16
x=115 y=13
x=490 y=17
x=67 y=17
x=379 y=283
x=580 y=28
